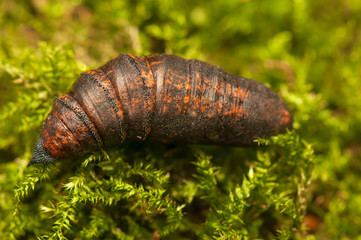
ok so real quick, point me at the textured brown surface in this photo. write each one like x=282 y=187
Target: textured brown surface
x=162 y=98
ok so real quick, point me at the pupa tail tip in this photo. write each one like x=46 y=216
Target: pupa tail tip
x=40 y=155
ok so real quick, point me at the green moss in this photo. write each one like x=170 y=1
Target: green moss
x=300 y=185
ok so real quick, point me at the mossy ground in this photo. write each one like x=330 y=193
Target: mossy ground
x=301 y=185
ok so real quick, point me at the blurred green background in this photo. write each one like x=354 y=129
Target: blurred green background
x=307 y=51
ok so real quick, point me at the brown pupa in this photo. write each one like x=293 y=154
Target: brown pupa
x=162 y=98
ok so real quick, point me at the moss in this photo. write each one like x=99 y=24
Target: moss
x=302 y=184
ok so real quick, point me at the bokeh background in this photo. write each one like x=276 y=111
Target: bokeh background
x=304 y=184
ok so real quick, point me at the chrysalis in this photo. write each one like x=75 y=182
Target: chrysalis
x=162 y=98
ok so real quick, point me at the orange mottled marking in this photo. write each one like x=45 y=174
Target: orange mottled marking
x=286 y=117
